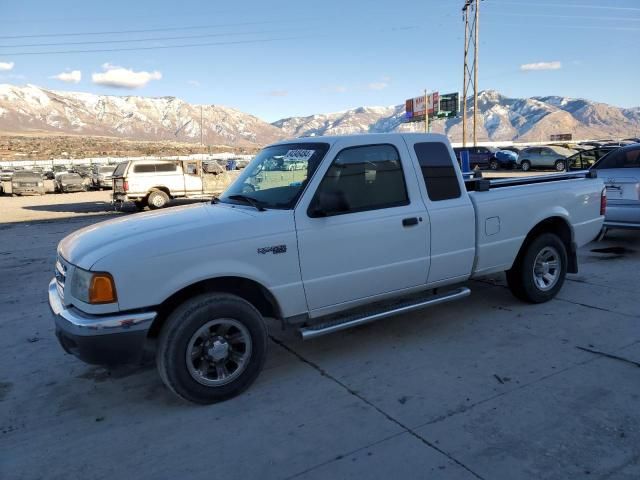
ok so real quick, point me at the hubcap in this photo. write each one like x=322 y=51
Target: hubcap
x=157 y=201
x=546 y=268
x=218 y=352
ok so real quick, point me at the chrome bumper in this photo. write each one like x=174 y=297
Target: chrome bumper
x=78 y=323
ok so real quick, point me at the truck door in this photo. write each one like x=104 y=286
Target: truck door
x=453 y=224
x=192 y=178
x=362 y=227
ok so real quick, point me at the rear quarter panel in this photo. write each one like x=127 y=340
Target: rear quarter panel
x=504 y=217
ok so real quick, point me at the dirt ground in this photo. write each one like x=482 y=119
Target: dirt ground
x=485 y=388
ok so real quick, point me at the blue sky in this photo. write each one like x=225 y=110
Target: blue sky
x=283 y=58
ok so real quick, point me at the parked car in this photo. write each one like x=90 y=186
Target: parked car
x=585 y=159
x=543 y=157
x=359 y=237
x=155 y=183
x=503 y=159
x=6 y=174
x=102 y=177
x=478 y=156
x=620 y=171
x=25 y=182
x=69 y=182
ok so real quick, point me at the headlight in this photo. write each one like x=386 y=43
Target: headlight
x=93 y=287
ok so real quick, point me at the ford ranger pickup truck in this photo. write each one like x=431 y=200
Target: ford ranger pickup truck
x=372 y=226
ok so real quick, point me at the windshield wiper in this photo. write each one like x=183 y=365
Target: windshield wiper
x=250 y=200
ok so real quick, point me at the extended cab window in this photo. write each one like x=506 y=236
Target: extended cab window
x=621 y=158
x=154 y=167
x=437 y=170
x=359 y=179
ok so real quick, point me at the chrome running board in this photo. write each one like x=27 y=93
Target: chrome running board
x=336 y=323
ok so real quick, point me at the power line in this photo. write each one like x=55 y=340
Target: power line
x=148 y=39
x=188 y=45
x=148 y=30
x=568 y=5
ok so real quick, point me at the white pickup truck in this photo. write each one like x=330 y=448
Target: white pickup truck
x=374 y=225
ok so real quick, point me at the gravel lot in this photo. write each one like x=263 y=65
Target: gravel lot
x=486 y=388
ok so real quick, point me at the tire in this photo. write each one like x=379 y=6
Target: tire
x=525 y=165
x=184 y=376
x=140 y=204
x=560 y=165
x=524 y=277
x=157 y=199
x=493 y=165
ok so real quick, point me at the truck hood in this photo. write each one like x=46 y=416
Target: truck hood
x=145 y=231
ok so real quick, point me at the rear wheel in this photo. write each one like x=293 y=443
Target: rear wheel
x=158 y=199
x=560 y=164
x=539 y=271
x=212 y=348
x=525 y=165
x=493 y=164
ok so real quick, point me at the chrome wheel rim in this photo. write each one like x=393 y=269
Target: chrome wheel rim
x=560 y=166
x=218 y=352
x=546 y=268
x=158 y=201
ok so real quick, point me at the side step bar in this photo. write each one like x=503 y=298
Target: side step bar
x=356 y=319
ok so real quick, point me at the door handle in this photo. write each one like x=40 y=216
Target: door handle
x=409 y=222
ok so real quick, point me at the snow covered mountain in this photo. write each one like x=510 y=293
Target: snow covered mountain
x=36 y=110
x=500 y=118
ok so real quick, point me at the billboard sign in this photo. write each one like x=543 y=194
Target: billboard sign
x=561 y=137
x=449 y=105
x=415 y=107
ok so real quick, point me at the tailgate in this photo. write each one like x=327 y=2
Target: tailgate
x=626 y=188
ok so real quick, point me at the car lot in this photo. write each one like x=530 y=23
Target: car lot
x=483 y=388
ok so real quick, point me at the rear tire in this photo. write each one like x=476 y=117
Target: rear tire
x=560 y=165
x=158 y=199
x=493 y=165
x=212 y=348
x=525 y=165
x=540 y=269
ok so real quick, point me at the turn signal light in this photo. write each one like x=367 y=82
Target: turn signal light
x=102 y=289
x=125 y=186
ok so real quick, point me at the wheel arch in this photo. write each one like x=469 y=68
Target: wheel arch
x=559 y=226
x=250 y=290
x=162 y=188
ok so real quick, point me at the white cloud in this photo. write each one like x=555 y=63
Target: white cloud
x=335 y=88
x=377 y=85
x=194 y=83
x=528 y=67
x=120 y=77
x=6 y=66
x=69 y=77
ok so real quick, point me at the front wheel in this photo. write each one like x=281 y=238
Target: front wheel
x=212 y=348
x=493 y=165
x=539 y=271
x=525 y=165
x=560 y=165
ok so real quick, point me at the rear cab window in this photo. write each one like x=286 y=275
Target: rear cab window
x=621 y=158
x=438 y=172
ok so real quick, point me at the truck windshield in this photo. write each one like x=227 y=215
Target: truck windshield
x=277 y=176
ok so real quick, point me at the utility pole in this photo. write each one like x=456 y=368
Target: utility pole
x=201 y=131
x=426 y=111
x=470 y=71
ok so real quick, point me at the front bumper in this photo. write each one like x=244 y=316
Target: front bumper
x=27 y=190
x=100 y=339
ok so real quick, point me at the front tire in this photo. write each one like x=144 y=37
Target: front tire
x=525 y=165
x=560 y=165
x=493 y=165
x=212 y=348
x=157 y=199
x=539 y=271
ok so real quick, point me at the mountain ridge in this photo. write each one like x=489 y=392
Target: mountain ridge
x=31 y=108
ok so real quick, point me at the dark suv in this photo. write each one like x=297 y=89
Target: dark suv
x=481 y=156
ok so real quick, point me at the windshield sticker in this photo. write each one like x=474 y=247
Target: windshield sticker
x=300 y=155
